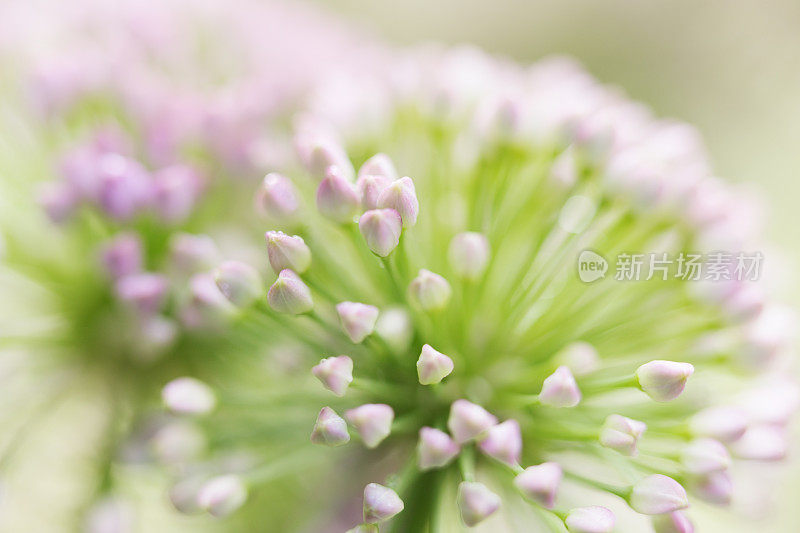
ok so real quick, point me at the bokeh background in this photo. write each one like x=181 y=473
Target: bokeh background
x=730 y=67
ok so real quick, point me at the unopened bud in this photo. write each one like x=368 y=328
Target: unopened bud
x=560 y=390
x=145 y=292
x=580 y=357
x=540 y=483
x=724 y=423
x=431 y=291
x=663 y=380
x=336 y=373
x=401 y=196
x=468 y=421
x=622 y=434
x=435 y=448
x=476 y=502
x=469 y=255
x=714 y=487
x=762 y=443
x=289 y=294
x=370 y=188
x=322 y=153
x=287 y=251
x=337 y=198
x=378 y=165
x=276 y=198
x=703 y=456
x=503 y=442
x=207 y=307
x=123 y=255
x=222 y=495
x=676 y=522
x=175 y=190
x=358 y=320
x=239 y=282
x=433 y=366
x=330 y=429
x=380 y=503
x=188 y=396
x=125 y=186
x=191 y=254
x=381 y=229
x=373 y=421
x=593 y=519
x=658 y=494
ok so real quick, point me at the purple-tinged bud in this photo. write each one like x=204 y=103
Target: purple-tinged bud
x=145 y=292
x=663 y=380
x=431 y=291
x=380 y=503
x=378 y=165
x=593 y=519
x=125 y=186
x=401 y=196
x=358 y=320
x=110 y=515
x=289 y=294
x=381 y=229
x=183 y=494
x=773 y=403
x=364 y=528
x=322 y=154
x=58 y=200
x=468 y=421
x=714 y=487
x=435 y=448
x=476 y=502
x=276 y=198
x=337 y=198
x=207 y=307
x=503 y=442
x=370 y=188
x=191 y=254
x=703 y=456
x=762 y=443
x=724 y=423
x=658 y=494
x=540 y=483
x=239 y=282
x=469 y=255
x=123 y=255
x=175 y=191
x=676 y=522
x=188 y=396
x=287 y=251
x=433 y=366
x=395 y=326
x=580 y=357
x=560 y=390
x=178 y=442
x=335 y=373
x=373 y=421
x=622 y=434
x=222 y=495
x=330 y=429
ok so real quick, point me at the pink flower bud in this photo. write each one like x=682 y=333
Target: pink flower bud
x=762 y=443
x=336 y=373
x=188 y=396
x=773 y=403
x=191 y=254
x=239 y=282
x=622 y=434
x=663 y=380
x=430 y=291
x=469 y=255
x=337 y=198
x=714 y=487
x=289 y=294
x=358 y=320
x=222 y=495
x=703 y=456
x=125 y=186
x=590 y=520
x=207 y=307
x=322 y=153
x=183 y=494
x=476 y=502
x=123 y=255
x=468 y=421
x=540 y=483
x=145 y=292
x=560 y=390
x=503 y=442
x=58 y=200
x=657 y=494
x=330 y=429
x=370 y=188
x=287 y=252
x=401 y=196
x=676 y=522
x=175 y=191
x=378 y=165
x=433 y=366
x=178 y=442
x=381 y=229
x=373 y=421
x=277 y=198
x=724 y=423
x=580 y=357
x=435 y=448
x=380 y=503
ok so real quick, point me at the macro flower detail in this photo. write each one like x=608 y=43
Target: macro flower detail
x=337 y=198
x=540 y=483
x=468 y=421
x=433 y=366
x=621 y=434
x=559 y=389
x=658 y=494
x=222 y=495
x=435 y=448
x=590 y=520
x=239 y=282
x=188 y=396
x=381 y=229
x=503 y=442
x=287 y=252
x=663 y=380
x=336 y=373
x=358 y=320
x=289 y=294
x=330 y=429
x=401 y=196
x=430 y=290
x=469 y=255
x=476 y=502
x=278 y=199
x=380 y=503
x=372 y=421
